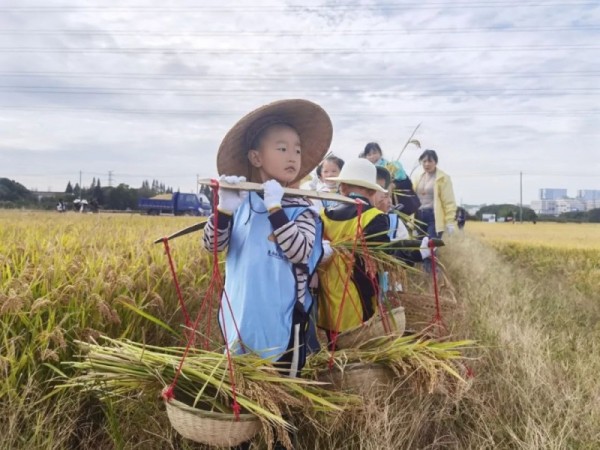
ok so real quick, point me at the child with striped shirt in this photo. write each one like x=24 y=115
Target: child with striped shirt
x=272 y=241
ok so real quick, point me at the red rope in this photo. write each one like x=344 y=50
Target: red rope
x=216 y=280
x=438 y=310
x=186 y=316
x=385 y=319
x=217 y=275
x=348 y=264
x=334 y=335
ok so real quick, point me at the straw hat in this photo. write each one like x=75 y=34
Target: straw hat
x=359 y=172
x=310 y=121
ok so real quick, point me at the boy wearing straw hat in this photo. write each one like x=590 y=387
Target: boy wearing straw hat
x=271 y=239
x=349 y=286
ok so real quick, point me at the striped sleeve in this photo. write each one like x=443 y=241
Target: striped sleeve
x=295 y=238
x=223 y=232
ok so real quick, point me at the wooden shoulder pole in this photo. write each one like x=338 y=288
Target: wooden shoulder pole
x=256 y=187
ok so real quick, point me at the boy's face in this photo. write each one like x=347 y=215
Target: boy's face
x=382 y=200
x=279 y=155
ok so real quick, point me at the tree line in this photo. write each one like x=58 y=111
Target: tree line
x=510 y=212
x=122 y=197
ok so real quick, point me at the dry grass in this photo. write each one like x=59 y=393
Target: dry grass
x=537 y=382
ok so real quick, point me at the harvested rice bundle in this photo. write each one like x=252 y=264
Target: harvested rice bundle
x=123 y=369
x=415 y=361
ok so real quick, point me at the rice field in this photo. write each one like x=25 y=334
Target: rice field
x=568 y=250
x=531 y=303
x=584 y=236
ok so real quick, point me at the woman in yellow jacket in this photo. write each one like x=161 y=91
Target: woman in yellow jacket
x=434 y=189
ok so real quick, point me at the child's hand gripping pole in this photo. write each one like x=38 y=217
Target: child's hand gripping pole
x=230 y=199
x=273 y=194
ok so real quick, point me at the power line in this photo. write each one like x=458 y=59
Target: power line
x=293 y=51
x=298 y=76
x=536 y=92
x=283 y=33
x=343 y=113
x=291 y=8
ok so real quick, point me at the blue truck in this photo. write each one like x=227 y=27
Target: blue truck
x=178 y=204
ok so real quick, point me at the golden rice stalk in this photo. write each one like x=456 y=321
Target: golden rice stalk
x=124 y=368
x=425 y=360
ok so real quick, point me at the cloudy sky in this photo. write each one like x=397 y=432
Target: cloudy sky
x=146 y=90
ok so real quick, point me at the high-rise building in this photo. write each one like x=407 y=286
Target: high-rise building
x=552 y=194
x=589 y=195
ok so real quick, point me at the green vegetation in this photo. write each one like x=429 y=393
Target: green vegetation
x=122 y=197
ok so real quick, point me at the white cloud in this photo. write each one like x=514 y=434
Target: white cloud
x=492 y=103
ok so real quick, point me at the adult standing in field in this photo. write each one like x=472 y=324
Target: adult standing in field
x=402 y=195
x=438 y=207
x=461 y=217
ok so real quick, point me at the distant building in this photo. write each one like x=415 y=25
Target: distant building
x=592 y=204
x=591 y=198
x=552 y=194
x=565 y=205
x=554 y=202
x=545 y=207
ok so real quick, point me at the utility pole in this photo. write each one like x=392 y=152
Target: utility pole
x=521 y=197
x=197 y=184
x=110 y=172
x=80 y=186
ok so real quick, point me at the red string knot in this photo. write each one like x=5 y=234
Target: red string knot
x=167 y=393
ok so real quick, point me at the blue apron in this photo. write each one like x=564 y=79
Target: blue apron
x=260 y=282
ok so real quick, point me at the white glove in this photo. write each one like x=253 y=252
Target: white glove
x=327 y=251
x=273 y=194
x=450 y=228
x=424 y=249
x=230 y=200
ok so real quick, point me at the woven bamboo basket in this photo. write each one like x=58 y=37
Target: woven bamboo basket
x=420 y=311
x=359 y=378
x=373 y=328
x=211 y=428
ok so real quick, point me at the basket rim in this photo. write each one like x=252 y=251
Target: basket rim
x=215 y=415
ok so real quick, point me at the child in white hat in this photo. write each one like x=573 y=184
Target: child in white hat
x=358 y=180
